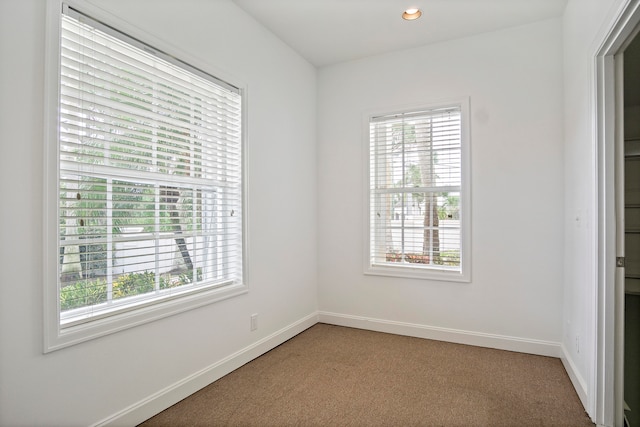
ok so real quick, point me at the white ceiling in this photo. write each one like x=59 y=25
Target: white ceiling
x=330 y=31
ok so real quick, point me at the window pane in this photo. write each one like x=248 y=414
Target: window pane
x=82 y=227
x=150 y=190
x=419 y=228
x=415 y=188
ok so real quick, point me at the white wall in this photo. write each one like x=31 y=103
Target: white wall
x=86 y=383
x=526 y=241
x=583 y=25
x=514 y=80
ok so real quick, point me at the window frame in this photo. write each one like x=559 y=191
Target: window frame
x=409 y=270
x=57 y=336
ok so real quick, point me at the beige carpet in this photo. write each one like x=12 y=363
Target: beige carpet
x=337 y=376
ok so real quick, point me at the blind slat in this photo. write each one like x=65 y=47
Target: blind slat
x=150 y=188
x=415 y=185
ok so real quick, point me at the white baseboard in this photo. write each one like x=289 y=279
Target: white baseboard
x=161 y=400
x=574 y=375
x=502 y=342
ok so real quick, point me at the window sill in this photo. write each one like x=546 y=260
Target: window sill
x=415 y=272
x=61 y=336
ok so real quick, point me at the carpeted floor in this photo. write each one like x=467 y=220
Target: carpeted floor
x=337 y=376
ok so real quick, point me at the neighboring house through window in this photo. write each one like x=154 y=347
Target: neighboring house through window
x=146 y=216
x=418 y=193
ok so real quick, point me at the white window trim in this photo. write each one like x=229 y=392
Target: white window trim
x=55 y=336
x=415 y=272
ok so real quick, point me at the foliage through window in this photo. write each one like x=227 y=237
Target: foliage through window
x=149 y=175
x=416 y=192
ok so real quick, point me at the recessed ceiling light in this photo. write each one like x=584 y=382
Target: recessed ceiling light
x=411 y=14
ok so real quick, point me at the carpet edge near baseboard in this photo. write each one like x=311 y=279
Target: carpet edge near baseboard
x=501 y=342
x=163 y=399
x=457 y=336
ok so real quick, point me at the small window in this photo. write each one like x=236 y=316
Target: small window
x=418 y=190
x=149 y=194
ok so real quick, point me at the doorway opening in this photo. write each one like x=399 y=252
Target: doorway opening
x=631 y=220
x=614 y=271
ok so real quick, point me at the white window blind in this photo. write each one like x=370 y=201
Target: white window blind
x=415 y=189
x=150 y=175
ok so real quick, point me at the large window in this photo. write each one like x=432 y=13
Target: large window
x=148 y=198
x=418 y=207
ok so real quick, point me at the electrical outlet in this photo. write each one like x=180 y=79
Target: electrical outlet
x=578 y=344
x=254 y=322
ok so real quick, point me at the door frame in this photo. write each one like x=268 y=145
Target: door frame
x=608 y=381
